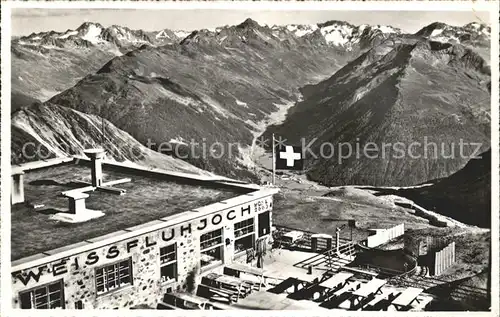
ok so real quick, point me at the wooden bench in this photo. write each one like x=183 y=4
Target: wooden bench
x=252 y=284
x=347 y=288
x=230 y=282
x=283 y=286
x=216 y=294
x=362 y=302
x=404 y=300
x=229 y=286
x=308 y=292
x=165 y=306
x=335 y=301
x=350 y=269
x=381 y=305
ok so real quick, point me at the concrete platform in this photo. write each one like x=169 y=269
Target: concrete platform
x=86 y=215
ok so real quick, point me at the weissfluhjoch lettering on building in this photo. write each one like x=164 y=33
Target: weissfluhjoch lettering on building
x=159 y=238
x=128 y=267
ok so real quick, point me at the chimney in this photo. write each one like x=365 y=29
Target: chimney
x=17 y=189
x=96 y=156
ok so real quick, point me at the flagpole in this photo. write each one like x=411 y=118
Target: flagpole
x=274 y=163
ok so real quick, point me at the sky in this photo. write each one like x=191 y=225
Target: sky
x=25 y=21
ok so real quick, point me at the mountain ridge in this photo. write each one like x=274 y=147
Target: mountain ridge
x=376 y=99
x=227 y=81
x=79 y=51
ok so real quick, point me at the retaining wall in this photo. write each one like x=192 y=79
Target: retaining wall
x=444 y=259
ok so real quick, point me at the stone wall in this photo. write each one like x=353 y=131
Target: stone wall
x=79 y=281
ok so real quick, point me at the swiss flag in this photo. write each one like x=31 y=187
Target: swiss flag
x=289 y=157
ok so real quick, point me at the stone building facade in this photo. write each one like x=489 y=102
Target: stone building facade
x=136 y=266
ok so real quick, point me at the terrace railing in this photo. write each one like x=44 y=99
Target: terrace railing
x=305 y=241
x=328 y=260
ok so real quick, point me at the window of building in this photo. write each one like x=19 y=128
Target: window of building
x=244 y=228
x=113 y=276
x=244 y=235
x=168 y=262
x=244 y=243
x=211 y=246
x=48 y=296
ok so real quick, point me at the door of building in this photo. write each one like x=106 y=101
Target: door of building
x=264 y=223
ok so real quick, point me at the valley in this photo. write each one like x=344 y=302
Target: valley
x=155 y=94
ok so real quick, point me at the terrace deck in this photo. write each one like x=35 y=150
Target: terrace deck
x=146 y=199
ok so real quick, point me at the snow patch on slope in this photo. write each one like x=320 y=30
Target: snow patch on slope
x=161 y=35
x=385 y=29
x=436 y=32
x=241 y=103
x=306 y=30
x=181 y=34
x=337 y=34
x=178 y=140
x=68 y=34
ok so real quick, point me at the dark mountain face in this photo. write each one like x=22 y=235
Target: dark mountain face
x=411 y=104
x=47 y=63
x=464 y=195
x=39 y=73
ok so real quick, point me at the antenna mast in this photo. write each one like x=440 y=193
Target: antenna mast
x=274 y=164
x=102 y=132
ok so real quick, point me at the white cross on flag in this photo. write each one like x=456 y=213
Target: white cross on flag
x=289 y=157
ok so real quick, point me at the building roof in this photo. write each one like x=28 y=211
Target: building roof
x=147 y=198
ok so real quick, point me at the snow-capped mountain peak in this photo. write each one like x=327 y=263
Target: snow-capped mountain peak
x=472 y=33
x=338 y=33
x=302 y=29
x=90 y=32
x=112 y=38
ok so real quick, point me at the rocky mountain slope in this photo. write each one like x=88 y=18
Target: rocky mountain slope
x=47 y=63
x=54 y=131
x=221 y=85
x=402 y=96
x=474 y=35
x=213 y=86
